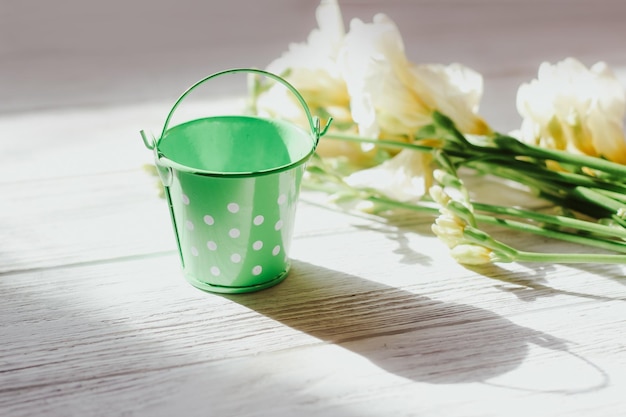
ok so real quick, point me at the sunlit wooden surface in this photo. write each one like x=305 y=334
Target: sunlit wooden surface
x=375 y=318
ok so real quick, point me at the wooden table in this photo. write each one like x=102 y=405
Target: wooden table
x=375 y=318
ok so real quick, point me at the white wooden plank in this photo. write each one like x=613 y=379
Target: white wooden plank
x=75 y=338
x=375 y=318
x=61 y=143
x=313 y=382
x=63 y=221
x=375 y=298
x=69 y=220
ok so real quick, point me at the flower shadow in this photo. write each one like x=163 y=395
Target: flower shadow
x=411 y=336
x=398 y=232
x=529 y=288
x=527 y=285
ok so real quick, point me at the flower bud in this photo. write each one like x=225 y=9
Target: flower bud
x=472 y=254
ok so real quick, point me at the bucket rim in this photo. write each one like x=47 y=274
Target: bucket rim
x=164 y=161
x=242 y=174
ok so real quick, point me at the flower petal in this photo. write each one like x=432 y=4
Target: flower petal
x=570 y=107
x=401 y=177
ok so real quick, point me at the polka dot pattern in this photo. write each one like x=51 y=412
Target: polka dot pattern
x=236 y=238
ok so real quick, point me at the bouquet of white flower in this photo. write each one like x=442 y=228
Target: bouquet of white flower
x=405 y=135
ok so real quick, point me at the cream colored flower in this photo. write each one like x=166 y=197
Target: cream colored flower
x=405 y=177
x=311 y=67
x=450 y=228
x=469 y=254
x=364 y=78
x=390 y=96
x=454 y=90
x=570 y=107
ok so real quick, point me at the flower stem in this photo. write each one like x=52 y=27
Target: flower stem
x=523 y=149
x=508 y=158
x=615 y=246
x=570 y=257
x=562 y=221
x=378 y=142
x=611 y=245
x=409 y=206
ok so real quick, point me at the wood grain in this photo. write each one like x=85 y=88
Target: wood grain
x=375 y=318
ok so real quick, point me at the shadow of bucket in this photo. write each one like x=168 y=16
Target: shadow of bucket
x=232 y=186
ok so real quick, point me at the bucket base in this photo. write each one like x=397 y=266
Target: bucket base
x=235 y=290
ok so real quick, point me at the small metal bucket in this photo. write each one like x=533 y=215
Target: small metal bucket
x=232 y=186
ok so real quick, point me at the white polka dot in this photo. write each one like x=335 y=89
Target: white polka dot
x=258 y=220
x=211 y=245
x=276 y=250
x=234 y=233
x=209 y=220
x=194 y=251
x=257 y=245
x=185 y=199
x=215 y=271
x=282 y=199
x=257 y=270
x=278 y=225
x=233 y=207
x=189 y=225
x=235 y=258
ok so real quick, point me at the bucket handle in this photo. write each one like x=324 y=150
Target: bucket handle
x=314 y=122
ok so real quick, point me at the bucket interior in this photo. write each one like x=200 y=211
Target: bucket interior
x=235 y=144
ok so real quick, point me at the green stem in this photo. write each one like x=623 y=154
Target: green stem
x=562 y=194
x=382 y=143
x=504 y=143
x=409 y=206
x=598 y=198
x=562 y=221
x=615 y=196
x=614 y=246
x=570 y=257
x=523 y=149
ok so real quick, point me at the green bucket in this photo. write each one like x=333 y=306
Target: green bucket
x=232 y=184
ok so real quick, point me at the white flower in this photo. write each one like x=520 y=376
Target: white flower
x=454 y=90
x=448 y=227
x=364 y=78
x=570 y=107
x=402 y=177
x=472 y=254
x=391 y=96
x=312 y=69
